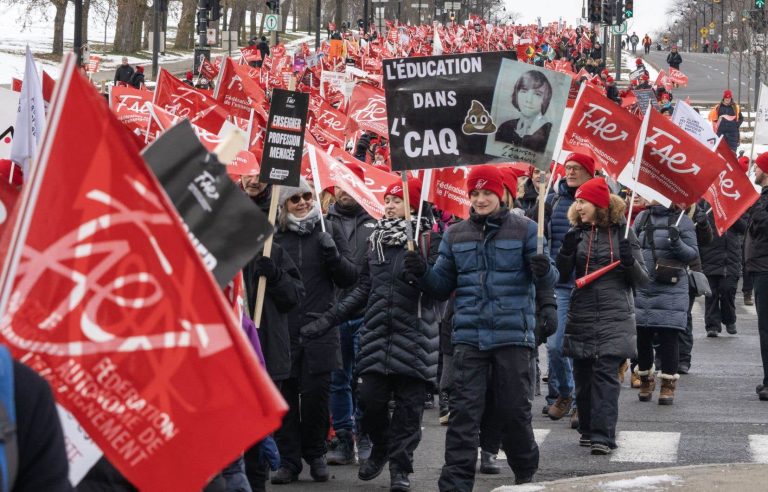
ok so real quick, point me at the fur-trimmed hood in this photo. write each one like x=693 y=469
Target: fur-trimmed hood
x=616 y=213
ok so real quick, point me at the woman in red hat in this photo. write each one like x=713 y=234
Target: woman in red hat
x=726 y=119
x=600 y=328
x=398 y=338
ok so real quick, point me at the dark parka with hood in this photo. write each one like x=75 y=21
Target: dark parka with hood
x=601 y=318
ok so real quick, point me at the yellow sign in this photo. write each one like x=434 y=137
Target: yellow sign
x=703 y=31
x=712 y=25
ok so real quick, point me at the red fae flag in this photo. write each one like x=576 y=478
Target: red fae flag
x=675 y=164
x=184 y=101
x=731 y=194
x=603 y=130
x=103 y=294
x=368 y=110
x=449 y=190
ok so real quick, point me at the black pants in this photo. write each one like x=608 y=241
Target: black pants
x=720 y=307
x=490 y=425
x=761 y=304
x=305 y=426
x=510 y=379
x=685 y=338
x=597 y=397
x=746 y=283
x=396 y=437
x=667 y=349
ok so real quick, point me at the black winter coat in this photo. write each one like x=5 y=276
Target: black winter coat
x=674 y=60
x=282 y=295
x=123 y=73
x=320 y=280
x=356 y=226
x=393 y=339
x=756 y=242
x=601 y=317
x=723 y=254
x=660 y=305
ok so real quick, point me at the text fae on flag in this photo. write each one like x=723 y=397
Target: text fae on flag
x=731 y=194
x=603 y=130
x=367 y=109
x=104 y=296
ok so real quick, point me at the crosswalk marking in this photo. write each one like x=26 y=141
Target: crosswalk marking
x=646 y=447
x=758 y=446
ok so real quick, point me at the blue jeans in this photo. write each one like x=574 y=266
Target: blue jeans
x=342 y=403
x=560 y=368
x=234 y=474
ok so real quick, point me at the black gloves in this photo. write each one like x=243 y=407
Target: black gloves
x=414 y=264
x=328 y=248
x=570 y=242
x=316 y=329
x=546 y=315
x=266 y=267
x=674 y=234
x=700 y=217
x=362 y=144
x=625 y=253
x=540 y=265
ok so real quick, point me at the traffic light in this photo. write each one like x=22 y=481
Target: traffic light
x=609 y=12
x=272 y=5
x=215 y=10
x=595 y=8
x=629 y=8
x=759 y=4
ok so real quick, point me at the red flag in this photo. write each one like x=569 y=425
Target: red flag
x=8 y=197
x=207 y=69
x=94 y=61
x=368 y=110
x=16 y=84
x=326 y=123
x=675 y=164
x=184 y=101
x=603 y=130
x=48 y=86
x=105 y=296
x=238 y=92
x=251 y=54
x=678 y=77
x=731 y=194
x=128 y=104
x=163 y=120
x=663 y=80
x=449 y=190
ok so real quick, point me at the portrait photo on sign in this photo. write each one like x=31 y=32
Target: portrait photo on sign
x=527 y=109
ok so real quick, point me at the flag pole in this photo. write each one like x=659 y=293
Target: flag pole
x=407 y=205
x=542 y=205
x=637 y=163
x=754 y=134
x=424 y=192
x=315 y=179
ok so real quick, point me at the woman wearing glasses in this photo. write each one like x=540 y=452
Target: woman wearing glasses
x=322 y=261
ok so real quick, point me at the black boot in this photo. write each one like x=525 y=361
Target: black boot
x=318 y=469
x=283 y=476
x=399 y=481
x=344 y=452
x=371 y=468
x=488 y=464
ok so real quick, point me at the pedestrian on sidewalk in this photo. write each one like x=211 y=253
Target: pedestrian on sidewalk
x=137 y=79
x=674 y=59
x=668 y=240
x=726 y=118
x=322 y=259
x=123 y=73
x=398 y=337
x=634 y=40
x=647 y=43
x=756 y=251
x=490 y=261
x=600 y=333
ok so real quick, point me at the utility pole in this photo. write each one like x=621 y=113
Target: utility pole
x=317 y=32
x=78 y=37
x=156 y=8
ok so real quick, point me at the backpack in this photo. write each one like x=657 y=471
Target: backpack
x=9 y=446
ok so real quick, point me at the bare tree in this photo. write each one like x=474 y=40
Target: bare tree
x=105 y=10
x=130 y=17
x=185 y=33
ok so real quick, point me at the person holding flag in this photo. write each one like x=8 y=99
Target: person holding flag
x=668 y=239
x=490 y=261
x=600 y=332
x=726 y=118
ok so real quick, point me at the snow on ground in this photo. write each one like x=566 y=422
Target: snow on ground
x=643 y=482
x=628 y=60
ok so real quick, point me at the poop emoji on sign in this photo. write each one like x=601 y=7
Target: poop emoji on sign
x=478 y=121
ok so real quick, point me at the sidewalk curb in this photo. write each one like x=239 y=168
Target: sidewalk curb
x=731 y=476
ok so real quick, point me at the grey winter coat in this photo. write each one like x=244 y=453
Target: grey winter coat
x=660 y=305
x=601 y=317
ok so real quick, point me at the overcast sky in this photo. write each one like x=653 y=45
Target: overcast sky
x=649 y=14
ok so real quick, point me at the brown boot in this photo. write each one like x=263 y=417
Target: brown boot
x=560 y=408
x=635 y=379
x=668 y=384
x=623 y=369
x=647 y=385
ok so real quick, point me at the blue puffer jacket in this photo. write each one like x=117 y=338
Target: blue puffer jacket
x=659 y=305
x=560 y=201
x=486 y=262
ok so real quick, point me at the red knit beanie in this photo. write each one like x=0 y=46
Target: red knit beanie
x=762 y=162
x=414 y=191
x=486 y=177
x=744 y=163
x=584 y=161
x=509 y=177
x=596 y=192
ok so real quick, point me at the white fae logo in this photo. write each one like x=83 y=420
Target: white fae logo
x=481 y=184
x=395 y=190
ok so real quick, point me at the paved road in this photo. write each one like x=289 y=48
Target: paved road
x=716 y=418
x=708 y=75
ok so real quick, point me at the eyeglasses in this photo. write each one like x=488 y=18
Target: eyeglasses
x=574 y=169
x=307 y=197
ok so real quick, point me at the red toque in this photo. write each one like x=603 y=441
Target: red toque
x=727 y=94
x=595 y=191
x=486 y=177
x=744 y=163
x=509 y=176
x=584 y=161
x=414 y=191
x=762 y=162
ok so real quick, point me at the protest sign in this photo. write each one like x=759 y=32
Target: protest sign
x=224 y=225
x=103 y=295
x=472 y=108
x=284 y=141
x=635 y=74
x=692 y=122
x=643 y=97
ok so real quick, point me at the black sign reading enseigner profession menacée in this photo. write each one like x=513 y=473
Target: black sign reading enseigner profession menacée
x=284 y=140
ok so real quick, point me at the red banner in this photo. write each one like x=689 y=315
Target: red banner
x=675 y=164
x=449 y=190
x=376 y=179
x=104 y=295
x=251 y=54
x=181 y=100
x=94 y=61
x=239 y=93
x=603 y=130
x=732 y=193
x=368 y=110
x=208 y=70
x=128 y=104
x=8 y=197
x=326 y=123
x=663 y=80
x=678 y=77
